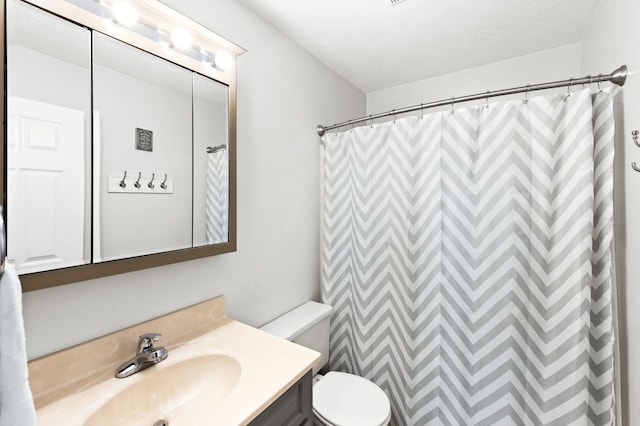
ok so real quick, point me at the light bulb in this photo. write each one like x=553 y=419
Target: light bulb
x=124 y=13
x=181 y=39
x=223 y=61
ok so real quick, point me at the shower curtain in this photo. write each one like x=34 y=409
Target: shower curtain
x=467 y=255
x=217 y=198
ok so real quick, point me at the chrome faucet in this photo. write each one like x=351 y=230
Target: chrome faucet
x=146 y=356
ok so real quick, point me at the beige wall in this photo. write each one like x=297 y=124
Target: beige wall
x=612 y=40
x=283 y=93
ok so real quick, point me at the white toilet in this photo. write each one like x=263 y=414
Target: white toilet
x=339 y=399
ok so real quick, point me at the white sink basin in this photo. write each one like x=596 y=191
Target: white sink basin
x=224 y=377
x=164 y=391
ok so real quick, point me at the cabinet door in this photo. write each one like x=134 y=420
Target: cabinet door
x=293 y=408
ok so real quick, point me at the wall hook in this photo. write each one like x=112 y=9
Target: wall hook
x=635 y=135
x=150 y=184
x=635 y=167
x=137 y=184
x=163 y=185
x=122 y=182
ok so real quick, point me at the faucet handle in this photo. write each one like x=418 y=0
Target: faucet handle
x=145 y=342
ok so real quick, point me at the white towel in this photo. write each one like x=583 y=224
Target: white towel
x=16 y=402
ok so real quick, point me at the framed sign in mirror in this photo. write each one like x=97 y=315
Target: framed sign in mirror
x=120 y=140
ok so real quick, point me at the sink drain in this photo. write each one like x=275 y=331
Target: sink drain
x=161 y=422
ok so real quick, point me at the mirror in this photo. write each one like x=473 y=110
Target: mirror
x=210 y=162
x=48 y=144
x=117 y=158
x=134 y=94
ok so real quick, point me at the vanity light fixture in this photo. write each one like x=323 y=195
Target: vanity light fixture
x=124 y=13
x=154 y=27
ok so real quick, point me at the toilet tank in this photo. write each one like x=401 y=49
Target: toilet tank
x=306 y=325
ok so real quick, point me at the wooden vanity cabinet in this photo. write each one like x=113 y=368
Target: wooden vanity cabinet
x=293 y=408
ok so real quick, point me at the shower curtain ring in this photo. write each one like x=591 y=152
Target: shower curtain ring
x=599 y=82
x=371 y=119
x=526 y=95
x=453 y=99
x=486 y=101
x=569 y=86
x=421 y=111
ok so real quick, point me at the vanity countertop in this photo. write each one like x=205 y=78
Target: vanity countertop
x=256 y=369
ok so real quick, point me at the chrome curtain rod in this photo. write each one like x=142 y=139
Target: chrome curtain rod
x=617 y=76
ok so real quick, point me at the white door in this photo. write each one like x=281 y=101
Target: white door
x=46 y=186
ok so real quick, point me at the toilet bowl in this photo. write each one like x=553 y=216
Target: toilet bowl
x=339 y=399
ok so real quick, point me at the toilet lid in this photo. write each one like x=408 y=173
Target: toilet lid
x=347 y=400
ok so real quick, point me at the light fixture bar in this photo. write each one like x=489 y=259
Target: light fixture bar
x=152 y=26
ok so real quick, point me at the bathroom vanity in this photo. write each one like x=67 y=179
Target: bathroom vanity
x=218 y=372
x=294 y=407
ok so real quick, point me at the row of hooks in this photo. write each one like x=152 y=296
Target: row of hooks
x=150 y=184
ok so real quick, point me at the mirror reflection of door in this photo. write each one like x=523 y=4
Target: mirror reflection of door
x=45 y=174
x=48 y=136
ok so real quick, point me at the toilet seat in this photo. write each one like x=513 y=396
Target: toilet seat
x=343 y=399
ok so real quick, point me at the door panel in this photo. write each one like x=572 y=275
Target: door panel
x=45 y=212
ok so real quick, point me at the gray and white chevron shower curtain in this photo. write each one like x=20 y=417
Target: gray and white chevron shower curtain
x=468 y=259
x=217 y=201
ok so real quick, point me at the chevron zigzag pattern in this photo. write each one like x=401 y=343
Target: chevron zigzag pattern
x=217 y=198
x=468 y=259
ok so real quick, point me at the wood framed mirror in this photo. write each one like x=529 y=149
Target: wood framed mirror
x=120 y=139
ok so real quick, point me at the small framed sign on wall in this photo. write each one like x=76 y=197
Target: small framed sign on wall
x=144 y=139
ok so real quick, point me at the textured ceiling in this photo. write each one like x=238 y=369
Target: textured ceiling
x=375 y=45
